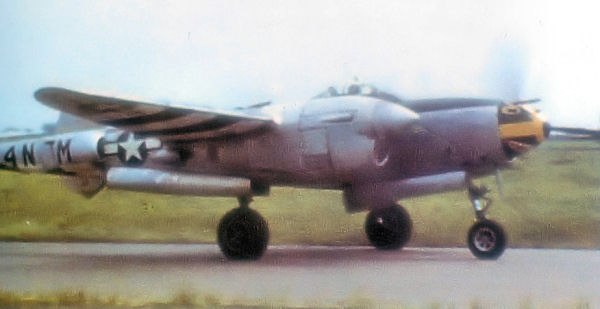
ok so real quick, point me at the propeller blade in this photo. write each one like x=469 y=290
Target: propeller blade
x=506 y=72
x=580 y=133
x=522 y=102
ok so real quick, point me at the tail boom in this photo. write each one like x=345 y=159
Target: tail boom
x=52 y=153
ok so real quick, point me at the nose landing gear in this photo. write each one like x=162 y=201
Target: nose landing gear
x=486 y=238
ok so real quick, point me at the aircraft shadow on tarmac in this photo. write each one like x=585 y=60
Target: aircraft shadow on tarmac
x=277 y=256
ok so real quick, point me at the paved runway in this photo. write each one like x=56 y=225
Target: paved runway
x=301 y=276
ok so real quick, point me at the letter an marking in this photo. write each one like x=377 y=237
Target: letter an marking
x=28 y=155
x=10 y=157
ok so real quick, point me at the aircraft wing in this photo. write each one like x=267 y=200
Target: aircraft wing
x=166 y=122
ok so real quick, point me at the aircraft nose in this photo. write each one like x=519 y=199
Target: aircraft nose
x=521 y=128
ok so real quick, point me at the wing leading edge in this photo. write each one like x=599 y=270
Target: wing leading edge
x=166 y=122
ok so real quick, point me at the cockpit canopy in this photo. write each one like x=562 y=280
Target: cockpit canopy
x=357 y=89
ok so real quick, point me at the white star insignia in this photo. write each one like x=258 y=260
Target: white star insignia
x=132 y=148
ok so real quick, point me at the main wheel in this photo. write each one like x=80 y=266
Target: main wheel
x=243 y=234
x=486 y=240
x=388 y=228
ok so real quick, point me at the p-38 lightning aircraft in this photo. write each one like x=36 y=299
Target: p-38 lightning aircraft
x=369 y=144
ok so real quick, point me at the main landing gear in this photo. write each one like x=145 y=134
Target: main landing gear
x=243 y=233
x=388 y=228
x=486 y=238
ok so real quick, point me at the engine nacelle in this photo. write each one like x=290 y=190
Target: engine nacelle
x=378 y=195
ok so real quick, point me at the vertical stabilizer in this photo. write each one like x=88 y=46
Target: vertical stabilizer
x=69 y=123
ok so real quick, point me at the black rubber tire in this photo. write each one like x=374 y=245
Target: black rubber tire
x=486 y=240
x=388 y=228
x=243 y=234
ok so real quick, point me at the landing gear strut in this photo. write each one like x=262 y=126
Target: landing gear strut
x=388 y=228
x=486 y=238
x=243 y=233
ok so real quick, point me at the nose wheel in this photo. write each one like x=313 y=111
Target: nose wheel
x=486 y=238
x=243 y=233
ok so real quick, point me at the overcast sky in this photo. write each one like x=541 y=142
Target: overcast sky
x=232 y=53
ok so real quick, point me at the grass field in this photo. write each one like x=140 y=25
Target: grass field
x=552 y=199
x=79 y=299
